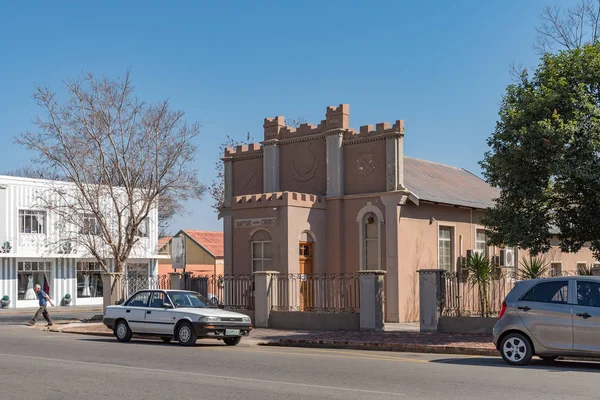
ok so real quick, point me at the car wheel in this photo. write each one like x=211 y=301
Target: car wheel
x=122 y=332
x=166 y=339
x=186 y=334
x=232 y=341
x=516 y=349
x=548 y=358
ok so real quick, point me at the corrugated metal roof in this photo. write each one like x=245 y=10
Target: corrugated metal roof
x=213 y=242
x=440 y=183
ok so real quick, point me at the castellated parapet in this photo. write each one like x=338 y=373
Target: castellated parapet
x=278 y=199
x=337 y=119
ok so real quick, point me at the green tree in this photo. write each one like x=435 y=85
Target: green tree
x=544 y=156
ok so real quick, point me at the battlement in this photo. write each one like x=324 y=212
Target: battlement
x=381 y=128
x=278 y=199
x=243 y=150
x=336 y=119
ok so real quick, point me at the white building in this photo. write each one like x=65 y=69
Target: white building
x=29 y=254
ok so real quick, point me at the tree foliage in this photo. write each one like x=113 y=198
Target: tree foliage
x=544 y=156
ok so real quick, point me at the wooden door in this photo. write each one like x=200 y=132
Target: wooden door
x=306 y=279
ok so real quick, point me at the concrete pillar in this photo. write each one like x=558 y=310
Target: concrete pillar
x=271 y=166
x=335 y=164
x=431 y=292
x=372 y=298
x=394 y=157
x=113 y=289
x=228 y=243
x=177 y=280
x=228 y=170
x=265 y=296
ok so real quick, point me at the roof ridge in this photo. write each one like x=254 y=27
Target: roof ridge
x=435 y=162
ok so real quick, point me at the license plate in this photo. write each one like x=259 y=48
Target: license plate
x=232 y=332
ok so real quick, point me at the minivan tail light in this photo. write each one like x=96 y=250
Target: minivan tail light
x=502 y=310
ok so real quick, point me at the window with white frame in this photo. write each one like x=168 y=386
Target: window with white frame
x=89 y=279
x=370 y=242
x=143 y=229
x=481 y=242
x=32 y=221
x=261 y=251
x=445 y=248
x=89 y=225
x=29 y=274
x=555 y=268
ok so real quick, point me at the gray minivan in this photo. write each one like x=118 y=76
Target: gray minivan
x=550 y=318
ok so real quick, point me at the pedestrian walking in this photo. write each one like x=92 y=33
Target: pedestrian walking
x=44 y=299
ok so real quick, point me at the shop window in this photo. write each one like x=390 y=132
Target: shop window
x=31 y=273
x=89 y=279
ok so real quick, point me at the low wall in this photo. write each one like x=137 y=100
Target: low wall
x=466 y=324
x=314 y=321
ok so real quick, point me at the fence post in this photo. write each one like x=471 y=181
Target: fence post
x=264 y=297
x=372 y=300
x=431 y=289
x=112 y=283
x=177 y=280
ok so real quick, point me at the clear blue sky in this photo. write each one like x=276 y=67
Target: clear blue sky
x=440 y=65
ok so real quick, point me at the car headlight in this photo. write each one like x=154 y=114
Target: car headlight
x=209 y=319
x=246 y=320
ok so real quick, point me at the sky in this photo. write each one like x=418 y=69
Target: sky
x=441 y=66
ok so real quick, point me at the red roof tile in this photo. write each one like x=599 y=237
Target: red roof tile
x=164 y=240
x=213 y=242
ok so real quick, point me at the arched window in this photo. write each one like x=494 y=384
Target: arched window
x=371 y=246
x=261 y=251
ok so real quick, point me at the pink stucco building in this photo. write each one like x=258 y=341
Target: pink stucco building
x=328 y=198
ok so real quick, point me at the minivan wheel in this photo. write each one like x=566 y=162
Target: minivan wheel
x=516 y=349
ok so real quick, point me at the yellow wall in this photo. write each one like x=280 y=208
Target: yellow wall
x=194 y=254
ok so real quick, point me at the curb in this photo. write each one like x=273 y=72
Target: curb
x=397 y=347
x=104 y=334
x=54 y=311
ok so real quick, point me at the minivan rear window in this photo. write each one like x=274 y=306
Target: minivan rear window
x=548 y=292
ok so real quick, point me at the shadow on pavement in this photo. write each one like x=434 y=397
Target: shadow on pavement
x=557 y=366
x=149 y=341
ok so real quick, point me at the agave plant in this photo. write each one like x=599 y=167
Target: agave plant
x=481 y=272
x=584 y=270
x=533 y=268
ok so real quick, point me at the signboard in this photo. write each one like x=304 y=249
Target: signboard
x=178 y=252
x=254 y=222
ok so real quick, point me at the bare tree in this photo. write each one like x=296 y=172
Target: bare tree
x=570 y=28
x=217 y=186
x=118 y=156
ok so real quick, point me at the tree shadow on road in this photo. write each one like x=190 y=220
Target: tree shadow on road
x=549 y=366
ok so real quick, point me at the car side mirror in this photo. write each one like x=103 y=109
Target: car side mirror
x=167 y=305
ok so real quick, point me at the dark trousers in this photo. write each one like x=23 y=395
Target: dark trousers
x=42 y=310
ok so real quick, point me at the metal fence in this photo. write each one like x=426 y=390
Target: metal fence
x=131 y=283
x=326 y=293
x=234 y=292
x=464 y=296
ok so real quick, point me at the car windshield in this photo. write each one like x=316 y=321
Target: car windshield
x=189 y=300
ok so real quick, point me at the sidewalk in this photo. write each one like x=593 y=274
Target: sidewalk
x=400 y=341
x=57 y=309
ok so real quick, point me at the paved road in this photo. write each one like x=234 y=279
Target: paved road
x=46 y=365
